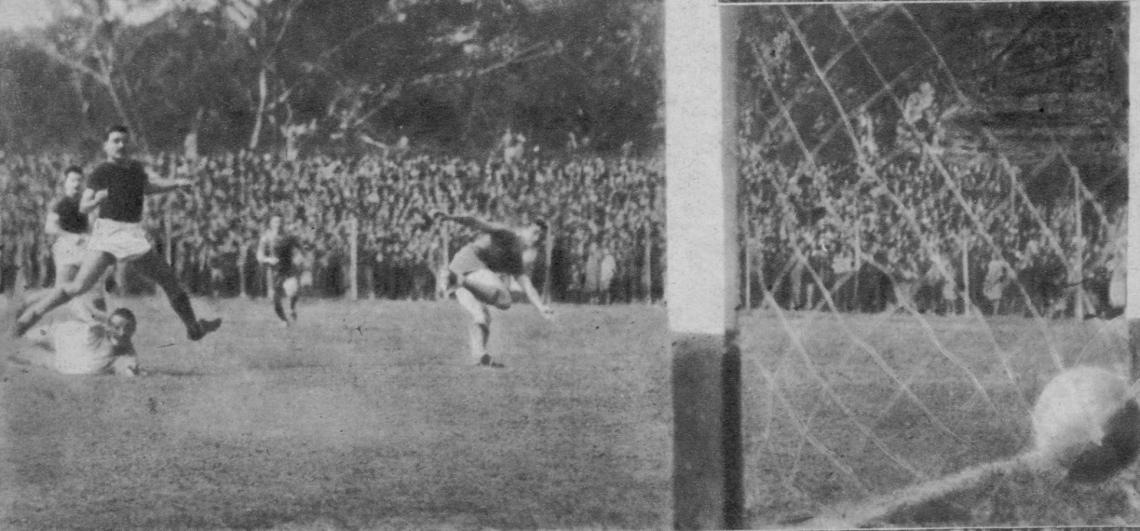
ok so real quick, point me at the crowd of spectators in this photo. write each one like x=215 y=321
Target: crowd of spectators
x=604 y=207
x=907 y=232
x=939 y=237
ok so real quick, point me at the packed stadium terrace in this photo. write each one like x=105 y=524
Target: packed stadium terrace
x=210 y=232
x=859 y=238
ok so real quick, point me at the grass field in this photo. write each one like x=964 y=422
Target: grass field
x=367 y=415
x=364 y=415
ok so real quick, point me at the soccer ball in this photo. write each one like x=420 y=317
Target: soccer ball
x=1088 y=422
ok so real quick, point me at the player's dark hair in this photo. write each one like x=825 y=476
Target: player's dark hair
x=125 y=314
x=73 y=169
x=117 y=128
x=541 y=224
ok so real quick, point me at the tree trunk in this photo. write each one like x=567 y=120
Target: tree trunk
x=259 y=118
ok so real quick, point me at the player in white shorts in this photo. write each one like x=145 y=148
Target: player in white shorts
x=483 y=270
x=277 y=250
x=69 y=226
x=88 y=342
x=117 y=187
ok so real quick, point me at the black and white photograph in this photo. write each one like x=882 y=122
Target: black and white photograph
x=934 y=210
x=566 y=264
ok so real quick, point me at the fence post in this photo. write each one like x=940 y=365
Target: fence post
x=547 y=267
x=967 y=303
x=21 y=275
x=748 y=262
x=646 y=268
x=242 y=262
x=167 y=239
x=353 y=258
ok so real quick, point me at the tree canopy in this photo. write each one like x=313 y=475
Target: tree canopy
x=447 y=74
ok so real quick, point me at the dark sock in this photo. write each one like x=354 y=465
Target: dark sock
x=279 y=309
x=182 y=307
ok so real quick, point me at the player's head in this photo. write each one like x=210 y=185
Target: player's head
x=72 y=181
x=121 y=326
x=275 y=223
x=534 y=232
x=116 y=141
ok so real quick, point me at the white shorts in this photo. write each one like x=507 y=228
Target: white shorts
x=289 y=286
x=68 y=249
x=124 y=241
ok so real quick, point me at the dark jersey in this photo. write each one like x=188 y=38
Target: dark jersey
x=284 y=248
x=70 y=218
x=502 y=252
x=125 y=185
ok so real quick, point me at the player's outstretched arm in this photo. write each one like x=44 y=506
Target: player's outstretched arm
x=156 y=185
x=474 y=222
x=92 y=314
x=533 y=296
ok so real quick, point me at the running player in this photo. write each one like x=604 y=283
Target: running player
x=483 y=270
x=277 y=249
x=89 y=342
x=117 y=187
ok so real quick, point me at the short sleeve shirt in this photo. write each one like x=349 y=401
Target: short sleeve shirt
x=502 y=252
x=125 y=185
x=70 y=218
x=284 y=247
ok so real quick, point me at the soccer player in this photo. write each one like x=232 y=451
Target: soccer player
x=483 y=270
x=277 y=249
x=89 y=342
x=69 y=226
x=117 y=187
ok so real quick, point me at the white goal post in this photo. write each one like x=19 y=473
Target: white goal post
x=702 y=262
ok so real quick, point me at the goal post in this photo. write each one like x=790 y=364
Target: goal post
x=702 y=258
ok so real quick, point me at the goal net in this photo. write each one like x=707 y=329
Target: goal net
x=932 y=206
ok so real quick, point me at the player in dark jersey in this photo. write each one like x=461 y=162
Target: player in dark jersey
x=483 y=270
x=278 y=249
x=117 y=187
x=69 y=226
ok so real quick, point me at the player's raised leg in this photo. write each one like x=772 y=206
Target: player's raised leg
x=95 y=263
x=156 y=269
x=488 y=287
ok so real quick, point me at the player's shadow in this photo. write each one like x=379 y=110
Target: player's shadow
x=174 y=373
x=283 y=365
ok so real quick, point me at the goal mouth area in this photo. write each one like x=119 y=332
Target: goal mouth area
x=1013 y=492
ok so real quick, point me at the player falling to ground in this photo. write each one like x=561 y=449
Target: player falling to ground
x=483 y=269
x=277 y=250
x=90 y=341
x=117 y=187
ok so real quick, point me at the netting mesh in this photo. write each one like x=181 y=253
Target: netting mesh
x=932 y=204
